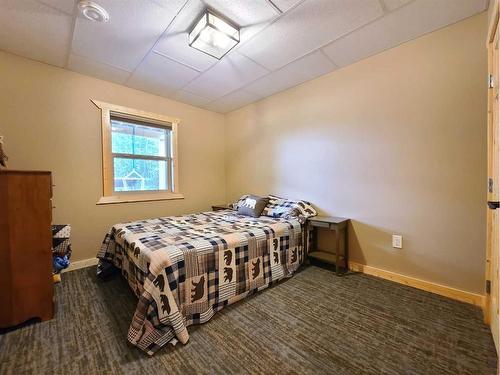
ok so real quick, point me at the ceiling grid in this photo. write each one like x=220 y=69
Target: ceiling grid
x=283 y=42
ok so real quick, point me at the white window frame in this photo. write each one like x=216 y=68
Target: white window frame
x=111 y=196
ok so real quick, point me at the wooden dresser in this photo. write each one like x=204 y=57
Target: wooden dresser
x=27 y=289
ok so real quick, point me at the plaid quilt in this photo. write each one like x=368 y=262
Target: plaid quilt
x=185 y=269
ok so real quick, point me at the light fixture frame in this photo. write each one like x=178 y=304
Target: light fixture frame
x=205 y=14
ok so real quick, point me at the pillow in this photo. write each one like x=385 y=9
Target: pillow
x=252 y=205
x=239 y=202
x=286 y=208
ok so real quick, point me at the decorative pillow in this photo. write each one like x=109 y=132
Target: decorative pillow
x=239 y=202
x=252 y=205
x=286 y=208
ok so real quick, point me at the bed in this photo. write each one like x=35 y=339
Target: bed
x=184 y=269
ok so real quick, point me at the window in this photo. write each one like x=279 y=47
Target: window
x=139 y=155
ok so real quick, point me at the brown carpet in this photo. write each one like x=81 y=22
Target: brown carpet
x=314 y=323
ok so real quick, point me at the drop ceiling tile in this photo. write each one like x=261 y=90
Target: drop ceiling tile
x=229 y=74
x=176 y=47
x=187 y=97
x=95 y=69
x=284 y=5
x=66 y=6
x=307 y=27
x=160 y=75
x=391 y=5
x=243 y=11
x=167 y=4
x=250 y=16
x=299 y=71
x=232 y=101
x=35 y=31
x=404 y=24
x=132 y=30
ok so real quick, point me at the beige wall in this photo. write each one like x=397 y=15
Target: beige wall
x=396 y=142
x=50 y=124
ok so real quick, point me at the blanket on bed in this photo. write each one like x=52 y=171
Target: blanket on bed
x=185 y=269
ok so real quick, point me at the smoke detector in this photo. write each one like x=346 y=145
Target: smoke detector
x=93 y=11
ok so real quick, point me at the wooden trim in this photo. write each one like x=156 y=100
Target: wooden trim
x=139 y=197
x=109 y=195
x=442 y=290
x=493 y=22
x=492 y=167
x=489 y=195
x=135 y=112
x=107 y=160
x=175 y=159
x=81 y=264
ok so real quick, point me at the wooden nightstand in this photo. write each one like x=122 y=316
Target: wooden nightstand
x=219 y=207
x=337 y=225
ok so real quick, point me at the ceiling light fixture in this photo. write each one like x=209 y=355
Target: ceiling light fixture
x=93 y=11
x=213 y=35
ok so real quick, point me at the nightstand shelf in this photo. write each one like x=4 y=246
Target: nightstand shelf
x=339 y=255
x=220 y=207
x=325 y=256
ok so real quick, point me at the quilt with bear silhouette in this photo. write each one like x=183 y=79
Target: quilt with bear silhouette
x=184 y=269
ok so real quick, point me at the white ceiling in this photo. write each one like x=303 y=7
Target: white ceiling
x=283 y=42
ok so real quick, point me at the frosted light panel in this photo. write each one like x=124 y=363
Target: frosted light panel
x=213 y=35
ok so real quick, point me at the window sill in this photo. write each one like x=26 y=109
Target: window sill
x=115 y=199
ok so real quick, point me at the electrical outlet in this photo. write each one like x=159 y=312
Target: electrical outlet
x=397 y=241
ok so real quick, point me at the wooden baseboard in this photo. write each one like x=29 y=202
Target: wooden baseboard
x=446 y=291
x=81 y=264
